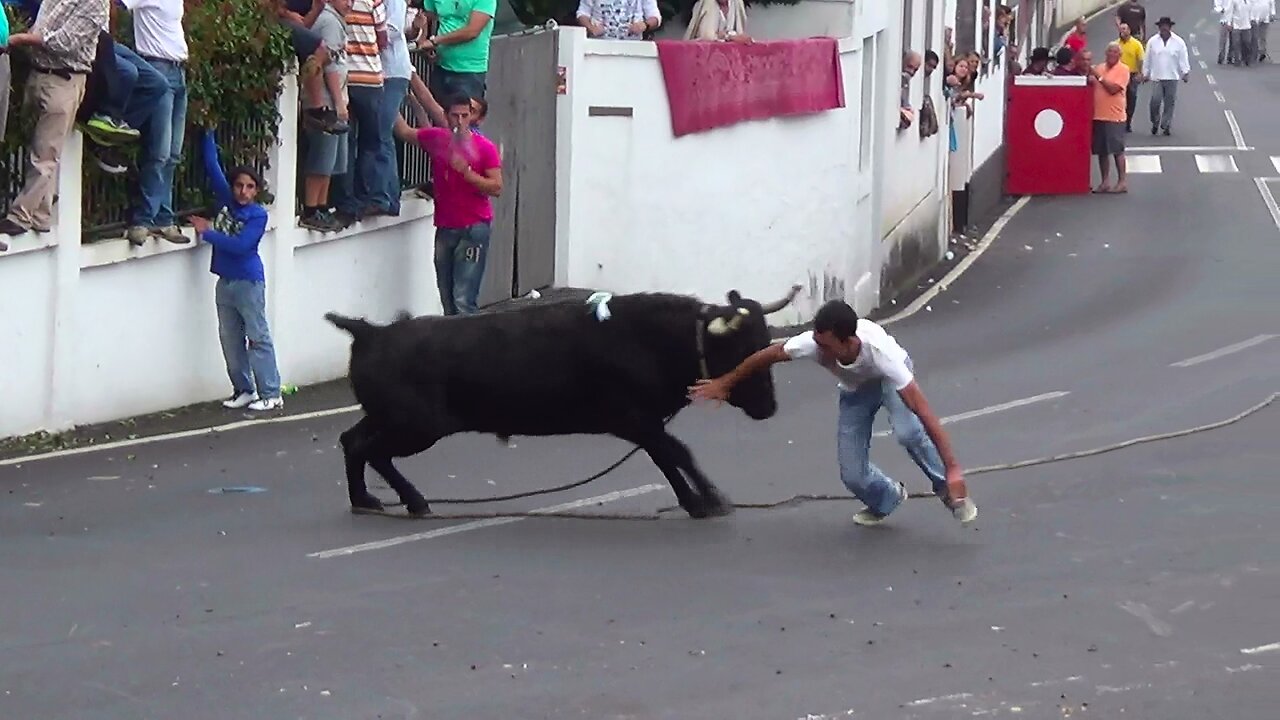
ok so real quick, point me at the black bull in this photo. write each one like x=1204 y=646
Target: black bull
x=549 y=367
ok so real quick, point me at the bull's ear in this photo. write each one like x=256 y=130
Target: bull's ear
x=734 y=297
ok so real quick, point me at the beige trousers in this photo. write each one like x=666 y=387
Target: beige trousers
x=5 y=80
x=54 y=101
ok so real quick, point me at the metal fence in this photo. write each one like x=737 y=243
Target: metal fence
x=107 y=198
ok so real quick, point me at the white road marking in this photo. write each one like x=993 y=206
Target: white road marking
x=993 y=409
x=487 y=522
x=1269 y=199
x=1195 y=50
x=1203 y=65
x=1235 y=129
x=1144 y=613
x=197 y=432
x=943 y=698
x=988 y=238
x=1200 y=23
x=1275 y=162
x=1219 y=97
x=1185 y=148
x=1261 y=649
x=1216 y=164
x=1210 y=79
x=1222 y=352
x=1143 y=164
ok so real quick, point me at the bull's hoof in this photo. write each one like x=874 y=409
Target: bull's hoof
x=697 y=511
x=367 y=502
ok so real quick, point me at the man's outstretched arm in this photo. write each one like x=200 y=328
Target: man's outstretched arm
x=719 y=388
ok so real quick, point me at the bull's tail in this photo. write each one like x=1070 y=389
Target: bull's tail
x=359 y=328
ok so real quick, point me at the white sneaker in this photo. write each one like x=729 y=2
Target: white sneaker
x=275 y=403
x=869 y=518
x=966 y=512
x=238 y=401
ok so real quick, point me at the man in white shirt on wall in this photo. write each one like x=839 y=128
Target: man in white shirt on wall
x=158 y=38
x=1165 y=63
x=397 y=68
x=874 y=371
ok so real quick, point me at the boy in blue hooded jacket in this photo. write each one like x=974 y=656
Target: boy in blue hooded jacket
x=241 y=294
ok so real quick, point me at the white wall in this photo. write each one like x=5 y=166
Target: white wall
x=756 y=206
x=103 y=331
x=1069 y=10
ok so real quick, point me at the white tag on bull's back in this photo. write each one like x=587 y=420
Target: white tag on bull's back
x=600 y=302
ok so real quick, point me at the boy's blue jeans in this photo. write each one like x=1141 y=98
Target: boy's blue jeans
x=246 y=339
x=867 y=482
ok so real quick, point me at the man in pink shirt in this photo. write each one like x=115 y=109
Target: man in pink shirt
x=467 y=173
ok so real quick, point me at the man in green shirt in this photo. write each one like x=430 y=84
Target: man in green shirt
x=461 y=45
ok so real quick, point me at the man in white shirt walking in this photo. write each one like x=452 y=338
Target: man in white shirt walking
x=874 y=371
x=1239 y=15
x=1221 y=9
x=1166 y=63
x=1263 y=11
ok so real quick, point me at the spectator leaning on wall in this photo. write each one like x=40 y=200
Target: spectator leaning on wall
x=362 y=191
x=619 y=19
x=241 y=292
x=461 y=45
x=62 y=42
x=397 y=69
x=468 y=173
x=724 y=20
x=327 y=154
x=161 y=44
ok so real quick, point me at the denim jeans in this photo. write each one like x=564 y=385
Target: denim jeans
x=160 y=113
x=867 y=482
x=394 y=91
x=110 y=83
x=246 y=339
x=447 y=84
x=364 y=185
x=460 y=258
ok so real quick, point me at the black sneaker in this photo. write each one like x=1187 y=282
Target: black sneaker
x=318 y=221
x=111 y=160
x=11 y=228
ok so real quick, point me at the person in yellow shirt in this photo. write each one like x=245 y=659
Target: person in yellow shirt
x=1131 y=54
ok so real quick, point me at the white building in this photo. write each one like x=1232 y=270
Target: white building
x=841 y=202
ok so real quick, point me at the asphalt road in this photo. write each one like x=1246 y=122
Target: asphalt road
x=1126 y=585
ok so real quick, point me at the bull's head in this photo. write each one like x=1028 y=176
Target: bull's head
x=733 y=334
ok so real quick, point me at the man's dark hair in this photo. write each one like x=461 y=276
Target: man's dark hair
x=482 y=104
x=931 y=56
x=1065 y=55
x=457 y=100
x=837 y=318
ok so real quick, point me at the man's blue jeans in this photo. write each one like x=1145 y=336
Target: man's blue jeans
x=159 y=112
x=460 y=258
x=364 y=185
x=394 y=91
x=447 y=84
x=246 y=339
x=866 y=481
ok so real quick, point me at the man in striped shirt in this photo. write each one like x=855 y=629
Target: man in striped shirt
x=362 y=191
x=61 y=46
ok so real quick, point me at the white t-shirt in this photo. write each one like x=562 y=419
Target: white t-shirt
x=881 y=357
x=157 y=29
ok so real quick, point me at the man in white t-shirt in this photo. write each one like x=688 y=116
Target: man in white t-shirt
x=874 y=371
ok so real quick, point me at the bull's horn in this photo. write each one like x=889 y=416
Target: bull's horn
x=718 y=326
x=774 y=307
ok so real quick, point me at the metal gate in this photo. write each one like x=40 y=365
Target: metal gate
x=521 y=89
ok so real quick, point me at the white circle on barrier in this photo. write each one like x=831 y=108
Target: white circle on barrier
x=1048 y=124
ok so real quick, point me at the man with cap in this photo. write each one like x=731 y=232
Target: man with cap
x=1131 y=54
x=1039 y=62
x=1166 y=63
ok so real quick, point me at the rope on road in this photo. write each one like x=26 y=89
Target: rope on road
x=799 y=499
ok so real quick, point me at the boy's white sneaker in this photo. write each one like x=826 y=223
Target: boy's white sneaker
x=275 y=403
x=869 y=518
x=966 y=512
x=237 y=401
